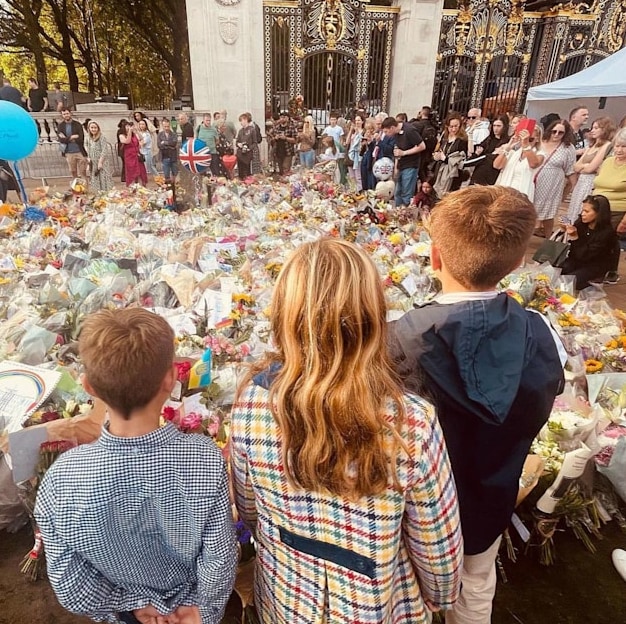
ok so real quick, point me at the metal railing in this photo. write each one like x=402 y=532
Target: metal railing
x=48 y=162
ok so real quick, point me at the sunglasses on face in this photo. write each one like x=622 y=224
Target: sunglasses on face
x=558 y=131
x=471 y=117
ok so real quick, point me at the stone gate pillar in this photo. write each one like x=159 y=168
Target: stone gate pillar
x=415 y=55
x=226 y=51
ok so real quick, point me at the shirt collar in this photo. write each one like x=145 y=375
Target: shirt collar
x=460 y=297
x=159 y=437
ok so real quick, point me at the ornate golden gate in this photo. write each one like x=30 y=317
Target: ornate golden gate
x=333 y=53
x=492 y=51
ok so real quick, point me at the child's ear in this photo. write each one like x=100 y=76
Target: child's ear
x=435 y=258
x=169 y=381
x=88 y=387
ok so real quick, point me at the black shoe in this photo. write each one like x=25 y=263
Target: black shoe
x=611 y=277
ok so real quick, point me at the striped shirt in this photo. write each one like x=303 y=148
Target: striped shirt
x=128 y=522
x=325 y=558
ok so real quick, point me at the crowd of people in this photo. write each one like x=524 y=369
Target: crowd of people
x=547 y=161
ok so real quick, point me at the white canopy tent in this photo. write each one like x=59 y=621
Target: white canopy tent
x=601 y=88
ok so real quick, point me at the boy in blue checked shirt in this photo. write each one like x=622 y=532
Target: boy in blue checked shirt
x=137 y=525
x=492 y=368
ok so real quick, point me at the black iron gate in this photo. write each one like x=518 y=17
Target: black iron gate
x=333 y=53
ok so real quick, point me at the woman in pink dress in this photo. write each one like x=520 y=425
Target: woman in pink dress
x=134 y=168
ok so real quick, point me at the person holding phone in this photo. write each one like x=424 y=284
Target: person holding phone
x=517 y=161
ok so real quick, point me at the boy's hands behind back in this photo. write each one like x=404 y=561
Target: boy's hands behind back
x=182 y=615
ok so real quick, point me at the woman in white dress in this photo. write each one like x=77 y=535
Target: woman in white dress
x=145 y=146
x=518 y=161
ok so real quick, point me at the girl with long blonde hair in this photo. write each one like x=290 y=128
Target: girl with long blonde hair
x=343 y=478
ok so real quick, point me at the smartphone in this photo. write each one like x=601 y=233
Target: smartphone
x=565 y=220
x=526 y=124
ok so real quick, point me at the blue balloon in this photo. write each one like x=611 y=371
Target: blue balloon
x=18 y=132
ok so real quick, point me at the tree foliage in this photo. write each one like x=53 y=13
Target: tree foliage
x=137 y=48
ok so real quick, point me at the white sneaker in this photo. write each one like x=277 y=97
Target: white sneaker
x=619 y=561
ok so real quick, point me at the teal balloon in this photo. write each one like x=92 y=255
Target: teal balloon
x=18 y=132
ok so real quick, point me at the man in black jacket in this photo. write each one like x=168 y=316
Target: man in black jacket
x=72 y=138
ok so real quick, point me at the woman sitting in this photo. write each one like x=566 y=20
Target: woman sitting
x=593 y=242
x=343 y=479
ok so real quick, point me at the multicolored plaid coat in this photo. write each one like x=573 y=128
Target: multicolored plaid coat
x=326 y=559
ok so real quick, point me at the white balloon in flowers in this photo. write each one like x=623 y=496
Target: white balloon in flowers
x=383 y=169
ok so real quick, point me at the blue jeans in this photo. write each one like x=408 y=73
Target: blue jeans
x=405 y=186
x=307 y=159
x=170 y=168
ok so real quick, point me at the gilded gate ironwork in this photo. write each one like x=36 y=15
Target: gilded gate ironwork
x=333 y=53
x=492 y=51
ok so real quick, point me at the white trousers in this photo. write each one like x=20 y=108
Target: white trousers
x=478 y=588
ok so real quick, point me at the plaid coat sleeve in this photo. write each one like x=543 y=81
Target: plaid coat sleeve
x=432 y=526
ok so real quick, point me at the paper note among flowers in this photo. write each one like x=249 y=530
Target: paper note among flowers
x=22 y=389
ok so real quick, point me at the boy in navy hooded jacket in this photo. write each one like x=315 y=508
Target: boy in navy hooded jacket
x=491 y=367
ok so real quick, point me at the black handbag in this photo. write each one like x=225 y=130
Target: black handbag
x=142 y=158
x=553 y=250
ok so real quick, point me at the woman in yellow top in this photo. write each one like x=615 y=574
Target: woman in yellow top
x=611 y=182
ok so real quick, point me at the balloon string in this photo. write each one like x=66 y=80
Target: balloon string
x=19 y=181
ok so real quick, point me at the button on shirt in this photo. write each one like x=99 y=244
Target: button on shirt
x=128 y=522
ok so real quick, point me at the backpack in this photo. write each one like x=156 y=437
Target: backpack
x=257 y=130
x=430 y=138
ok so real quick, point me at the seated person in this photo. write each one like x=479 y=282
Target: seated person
x=594 y=249
x=426 y=198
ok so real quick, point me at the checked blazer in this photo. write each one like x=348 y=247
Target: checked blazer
x=324 y=558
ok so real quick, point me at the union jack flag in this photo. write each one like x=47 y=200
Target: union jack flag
x=195 y=155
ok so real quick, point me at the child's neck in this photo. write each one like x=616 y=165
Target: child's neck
x=141 y=422
x=450 y=285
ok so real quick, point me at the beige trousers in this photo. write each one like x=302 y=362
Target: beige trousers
x=77 y=164
x=478 y=588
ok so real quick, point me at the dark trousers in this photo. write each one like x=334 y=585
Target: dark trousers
x=128 y=617
x=243 y=168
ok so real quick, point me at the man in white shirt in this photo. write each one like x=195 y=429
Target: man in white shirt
x=477 y=128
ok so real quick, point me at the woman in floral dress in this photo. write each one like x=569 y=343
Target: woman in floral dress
x=558 y=164
x=98 y=153
x=602 y=131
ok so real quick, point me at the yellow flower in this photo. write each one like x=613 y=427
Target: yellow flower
x=593 y=366
x=396 y=238
x=566 y=298
x=46 y=232
x=243 y=298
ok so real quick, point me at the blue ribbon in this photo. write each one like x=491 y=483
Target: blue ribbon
x=19 y=181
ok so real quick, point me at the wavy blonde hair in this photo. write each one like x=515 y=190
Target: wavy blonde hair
x=331 y=393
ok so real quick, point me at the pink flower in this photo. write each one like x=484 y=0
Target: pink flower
x=182 y=371
x=190 y=421
x=245 y=349
x=169 y=413
x=213 y=427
